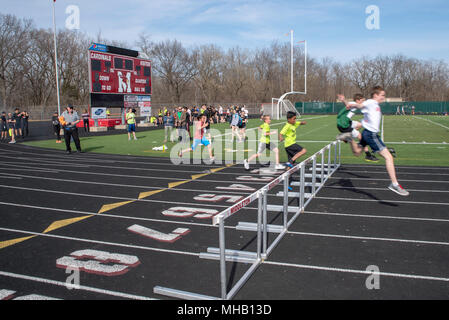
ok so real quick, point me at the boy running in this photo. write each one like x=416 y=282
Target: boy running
x=198 y=137
x=350 y=129
x=294 y=151
x=370 y=137
x=265 y=144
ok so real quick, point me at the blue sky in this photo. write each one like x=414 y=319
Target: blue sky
x=334 y=29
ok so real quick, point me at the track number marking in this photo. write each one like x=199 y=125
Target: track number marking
x=98 y=262
x=175 y=235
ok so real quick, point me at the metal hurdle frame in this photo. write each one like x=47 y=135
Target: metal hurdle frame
x=261 y=227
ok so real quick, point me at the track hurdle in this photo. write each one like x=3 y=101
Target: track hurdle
x=322 y=165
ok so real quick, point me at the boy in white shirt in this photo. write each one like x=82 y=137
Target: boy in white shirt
x=370 y=137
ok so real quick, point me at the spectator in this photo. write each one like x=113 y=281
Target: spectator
x=56 y=126
x=131 y=121
x=85 y=115
x=70 y=119
x=11 y=123
x=18 y=122
x=4 y=126
x=25 y=128
x=169 y=123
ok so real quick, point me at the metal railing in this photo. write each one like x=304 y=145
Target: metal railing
x=322 y=165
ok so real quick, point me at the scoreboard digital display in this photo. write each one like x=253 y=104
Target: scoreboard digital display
x=118 y=74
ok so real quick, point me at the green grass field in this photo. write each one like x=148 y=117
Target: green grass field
x=418 y=140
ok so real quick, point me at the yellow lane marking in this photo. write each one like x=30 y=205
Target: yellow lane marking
x=7 y=243
x=62 y=223
x=111 y=206
x=177 y=183
x=149 y=193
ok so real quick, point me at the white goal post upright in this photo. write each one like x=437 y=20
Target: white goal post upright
x=282 y=102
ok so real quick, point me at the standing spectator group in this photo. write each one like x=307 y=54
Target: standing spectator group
x=14 y=125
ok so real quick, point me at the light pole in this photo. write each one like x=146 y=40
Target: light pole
x=56 y=59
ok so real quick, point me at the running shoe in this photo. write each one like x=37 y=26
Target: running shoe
x=399 y=190
x=371 y=158
x=290 y=188
x=279 y=167
x=246 y=164
x=288 y=164
x=393 y=152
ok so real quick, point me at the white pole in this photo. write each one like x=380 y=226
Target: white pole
x=291 y=60
x=305 y=66
x=56 y=59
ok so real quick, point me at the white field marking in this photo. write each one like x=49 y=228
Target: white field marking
x=386 y=274
x=110 y=197
x=393 y=201
x=276 y=124
x=247 y=190
x=120 y=175
x=237 y=186
x=401 y=180
x=400 y=172
x=384 y=189
x=114 y=244
x=375 y=216
x=84 y=288
x=324 y=235
x=436 y=123
x=314 y=130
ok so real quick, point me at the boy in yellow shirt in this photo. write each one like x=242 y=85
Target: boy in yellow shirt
x=265 y=144
x=294 y=150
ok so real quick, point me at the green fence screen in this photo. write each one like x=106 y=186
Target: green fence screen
x=420 y=107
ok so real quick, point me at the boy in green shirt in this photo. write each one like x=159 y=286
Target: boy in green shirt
x=265 y=143
x=294 y=151
x=350 y=129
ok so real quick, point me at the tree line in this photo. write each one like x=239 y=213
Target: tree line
x=203 y=74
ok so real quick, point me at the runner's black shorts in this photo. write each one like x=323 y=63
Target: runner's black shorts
x=293 y=150
x=345 y=130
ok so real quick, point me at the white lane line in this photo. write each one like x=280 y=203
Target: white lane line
x=111 y=215
x=19 y=168
x=384 y=189
x=386 y=274
x=97 y=157
x=324 y=235
x=123 y=185
x=400 y=172
x=80 y=287
x=114 y=244
x=435 y=123
x=2 y=176
x=343 y=166
x=108 y=167
x=375 y=216
x=117 y=198
x=401 y=180
x=392 y=201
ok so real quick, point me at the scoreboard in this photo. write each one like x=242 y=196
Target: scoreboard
x=118 y=77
